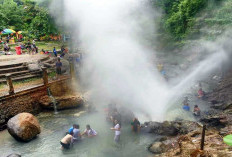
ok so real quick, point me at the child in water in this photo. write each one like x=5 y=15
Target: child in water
x=196 y=111
x=89 y=132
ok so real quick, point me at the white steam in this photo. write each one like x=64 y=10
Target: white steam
x=117 y=66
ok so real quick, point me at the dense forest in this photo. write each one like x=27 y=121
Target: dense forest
x=184 y=21
x=180 y=20
x=28 y=16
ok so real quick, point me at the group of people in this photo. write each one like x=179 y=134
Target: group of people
x=30 y=47
x=186 y=107
x=201 y=95
x=114 y=116
x=74 y=135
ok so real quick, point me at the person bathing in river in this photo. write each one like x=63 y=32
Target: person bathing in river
x=135 y=125
x=67 y=141
x=117 y=129
x=201 y=93
x=186 y=104
x=196 y=111
x=89 y=132
x=76 y=132
x=71 y=129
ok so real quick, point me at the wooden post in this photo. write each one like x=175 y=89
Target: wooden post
x=72 y=71
x=10 y=84
x=45 y=76
x=203 y=137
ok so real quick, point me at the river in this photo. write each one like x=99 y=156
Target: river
x=54 y=126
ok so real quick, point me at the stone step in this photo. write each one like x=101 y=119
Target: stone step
x=10 y=66
x=45 y=59
x=15 y=73
x=13 y=69
x=50 y=61
x=21 y=78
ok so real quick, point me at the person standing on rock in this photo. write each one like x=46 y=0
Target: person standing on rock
x=117 y=129
x=67 y=141
x=58 y=68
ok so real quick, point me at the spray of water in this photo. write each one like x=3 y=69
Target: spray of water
x=117 y=66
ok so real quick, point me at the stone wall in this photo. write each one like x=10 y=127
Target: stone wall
x=30 y=100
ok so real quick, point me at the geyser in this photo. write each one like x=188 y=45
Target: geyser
x=117 y=66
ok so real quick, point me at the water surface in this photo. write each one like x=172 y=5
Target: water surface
x=55 y=126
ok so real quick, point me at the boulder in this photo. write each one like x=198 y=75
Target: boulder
x=63 y=102
x=219 y=120
x=23 y=127
x=34 y=67
x=157 y=148
x=70 y=101
x=171 y=128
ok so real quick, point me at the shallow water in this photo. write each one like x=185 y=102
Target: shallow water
x=55 y=126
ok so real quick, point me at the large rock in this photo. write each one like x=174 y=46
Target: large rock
x=34 y=67
x=23 y=127
x=157 y=148
x=63 y=102
x=170 y=128
x=218 y=120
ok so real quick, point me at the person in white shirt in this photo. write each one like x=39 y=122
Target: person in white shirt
x=117 y=128
x=89 y=132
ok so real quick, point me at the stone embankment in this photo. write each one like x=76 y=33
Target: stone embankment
x=36 y=100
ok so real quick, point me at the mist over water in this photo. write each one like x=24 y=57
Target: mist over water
x=118 y=67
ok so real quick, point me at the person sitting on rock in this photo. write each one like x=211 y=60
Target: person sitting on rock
x=186 y=104
x=67 y=141
x=89 y=132
x=201 y=93
x=135 y=125
x=196 y=111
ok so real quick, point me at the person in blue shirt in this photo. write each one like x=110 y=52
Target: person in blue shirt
x=54 y=51
x=186 y=104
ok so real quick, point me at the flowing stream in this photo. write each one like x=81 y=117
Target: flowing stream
x=54 y=127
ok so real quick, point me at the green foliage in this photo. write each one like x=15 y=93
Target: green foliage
x=180 y=15
x=27 y=16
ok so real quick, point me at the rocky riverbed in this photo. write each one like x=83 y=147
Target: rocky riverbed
x=183 y=138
